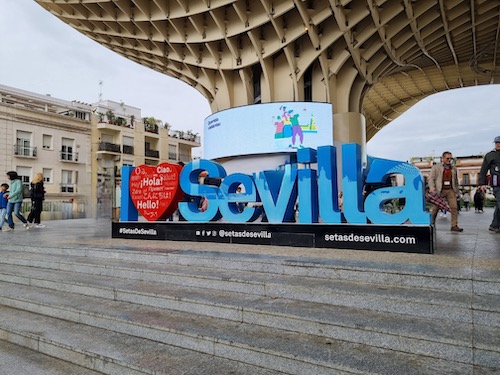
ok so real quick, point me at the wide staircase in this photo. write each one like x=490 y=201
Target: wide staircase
x=206 y=312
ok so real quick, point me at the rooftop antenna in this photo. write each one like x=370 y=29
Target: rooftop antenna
x=100 y=91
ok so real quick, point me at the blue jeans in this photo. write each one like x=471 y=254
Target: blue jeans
x=14 y=207
x=496 y=215
x=3 y=211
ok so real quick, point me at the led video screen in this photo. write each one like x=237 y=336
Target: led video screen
x=267 y=128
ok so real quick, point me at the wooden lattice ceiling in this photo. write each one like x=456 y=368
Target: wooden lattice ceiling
x=404 y=50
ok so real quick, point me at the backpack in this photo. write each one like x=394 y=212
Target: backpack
x=26 y=191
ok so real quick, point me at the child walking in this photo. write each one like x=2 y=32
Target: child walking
x=3 y=203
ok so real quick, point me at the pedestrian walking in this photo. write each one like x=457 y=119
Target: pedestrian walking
x=466 y=199
x=444 y=180
x=3 y=203
x=491 y=164
x=37 y=197
x=15 y=200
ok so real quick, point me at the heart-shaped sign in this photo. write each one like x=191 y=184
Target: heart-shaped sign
x=155 y=190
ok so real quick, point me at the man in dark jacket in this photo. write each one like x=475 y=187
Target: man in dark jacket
x=491 y=163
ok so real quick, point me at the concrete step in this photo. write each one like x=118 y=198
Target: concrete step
x=109 y=352
x=119 y=332
x=16 y=360
x=430 y=303
x=451 y=278
x=278 y=298
x=440 y=338
x=430 y=337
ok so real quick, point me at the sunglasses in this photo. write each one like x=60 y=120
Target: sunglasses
x=448 y=158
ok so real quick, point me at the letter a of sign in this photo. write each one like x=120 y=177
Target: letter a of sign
x=412 y=192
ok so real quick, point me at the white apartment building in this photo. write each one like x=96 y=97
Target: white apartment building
x=39 y=133
x=121 y=136
x=80 y=148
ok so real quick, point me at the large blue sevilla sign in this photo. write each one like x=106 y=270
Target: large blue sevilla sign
x=276 y=193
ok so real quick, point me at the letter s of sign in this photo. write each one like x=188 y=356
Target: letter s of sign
x=188 y=180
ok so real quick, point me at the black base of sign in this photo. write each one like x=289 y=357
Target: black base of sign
x=402 y=238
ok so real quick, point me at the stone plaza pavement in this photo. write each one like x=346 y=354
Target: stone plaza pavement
x=475 y=244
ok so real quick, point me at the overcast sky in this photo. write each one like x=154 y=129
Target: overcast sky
x=40 y=53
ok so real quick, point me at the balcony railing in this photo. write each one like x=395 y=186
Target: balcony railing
x=151 y=128
x=29 y=152
x=128 y=150
x=152 y=154
x=187 y=136
x=69 y=156
x=108 y=146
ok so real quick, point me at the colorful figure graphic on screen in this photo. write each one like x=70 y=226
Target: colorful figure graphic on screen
x=296 y=130
x=287 y=125
x=279 y=124
x=312 y=125
x=286 y=114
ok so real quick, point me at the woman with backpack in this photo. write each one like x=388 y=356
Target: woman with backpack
x=37 y=198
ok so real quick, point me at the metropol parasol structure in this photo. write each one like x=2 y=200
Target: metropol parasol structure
x=372 y=59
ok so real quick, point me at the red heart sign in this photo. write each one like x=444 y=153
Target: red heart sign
x=155 y=190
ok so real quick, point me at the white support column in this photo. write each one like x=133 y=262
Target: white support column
x=350 y=127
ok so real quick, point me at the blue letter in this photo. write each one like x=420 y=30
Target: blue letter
x=352 y=184
x=308 y=187
x=278 y=192
x=128 y=212
x=189 y=184
x=229 y=207
x=412 y=191
x=327 y=185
